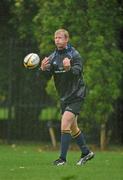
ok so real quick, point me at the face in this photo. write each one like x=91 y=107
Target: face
x=60 y=40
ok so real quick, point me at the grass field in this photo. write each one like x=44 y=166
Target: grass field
x=30 y=162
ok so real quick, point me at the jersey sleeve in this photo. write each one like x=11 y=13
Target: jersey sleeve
x=76 y=64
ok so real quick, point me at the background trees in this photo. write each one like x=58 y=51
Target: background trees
x=95 y=29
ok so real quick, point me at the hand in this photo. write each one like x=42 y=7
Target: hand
x=66 y=64
x=45 y=64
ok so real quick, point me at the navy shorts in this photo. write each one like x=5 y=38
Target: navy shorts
x=74 y=107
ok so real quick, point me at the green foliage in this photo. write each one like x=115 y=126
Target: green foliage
x=94 y=29
x=104 y=60
x=50 y=113
x=55 y=14
x=22 y=17
x=51 y=90
x=4 y=113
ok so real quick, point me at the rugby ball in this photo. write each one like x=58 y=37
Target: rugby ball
x=31 y=61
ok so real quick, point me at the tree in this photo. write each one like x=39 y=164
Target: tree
x=94 y=26
x=104 y=62
x=21 y=90
x=22 y=13
x=53 y=15
x=95 y=36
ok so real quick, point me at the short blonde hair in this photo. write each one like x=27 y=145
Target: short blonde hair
x=66 y=34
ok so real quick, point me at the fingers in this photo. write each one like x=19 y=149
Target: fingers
x=45 y=60
x=45 y=64
x=66 y=64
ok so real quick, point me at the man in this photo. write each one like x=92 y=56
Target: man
x=65 y=64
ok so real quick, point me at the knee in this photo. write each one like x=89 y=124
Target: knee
x=75 y=132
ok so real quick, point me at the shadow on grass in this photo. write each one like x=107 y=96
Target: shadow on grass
x=73 y=177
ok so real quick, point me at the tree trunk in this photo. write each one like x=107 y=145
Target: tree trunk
x=52 y=136
x=103 y=136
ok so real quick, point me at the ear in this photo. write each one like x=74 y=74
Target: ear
x=67 y=39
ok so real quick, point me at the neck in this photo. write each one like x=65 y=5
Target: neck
x=62 y=48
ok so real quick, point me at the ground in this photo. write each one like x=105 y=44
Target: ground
x=34 y=162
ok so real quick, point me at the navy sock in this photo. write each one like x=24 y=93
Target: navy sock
x=65 y=141
x=80 y=140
